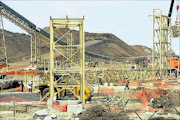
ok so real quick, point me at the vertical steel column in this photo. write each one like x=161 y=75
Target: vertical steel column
x=2 y=42
x=160 y=43
x=82 y=62
x=38 y=49
x=51 y=59
x=33 y=48
x=153 y=47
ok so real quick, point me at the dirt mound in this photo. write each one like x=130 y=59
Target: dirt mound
x=100 y=113
x=168 y=101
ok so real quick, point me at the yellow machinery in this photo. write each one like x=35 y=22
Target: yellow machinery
x=62 y=92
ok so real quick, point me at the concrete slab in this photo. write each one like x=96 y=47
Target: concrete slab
x=69 y=102
x=76 y=109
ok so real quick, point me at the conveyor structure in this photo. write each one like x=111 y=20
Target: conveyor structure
x=35 y=32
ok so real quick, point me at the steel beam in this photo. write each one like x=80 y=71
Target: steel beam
x=51 y=60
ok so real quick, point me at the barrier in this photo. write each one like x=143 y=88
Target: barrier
x=59 y=107
x=106 y=91
x=3 y=65
x=121 y=81
x=135 y=83
x=144 y=94
x=19 y=72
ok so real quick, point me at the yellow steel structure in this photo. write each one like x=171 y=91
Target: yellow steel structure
x=36 y=48
x=72 y=57
x=70 y=41
x=3 y=54
x=161 y=38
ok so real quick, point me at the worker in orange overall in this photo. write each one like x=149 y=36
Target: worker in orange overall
x=127 y=84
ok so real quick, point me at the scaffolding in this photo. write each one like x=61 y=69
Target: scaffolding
x=70 y=42
x=36 y=48
x=161 y=43
x=3 y=54
x=72 y=57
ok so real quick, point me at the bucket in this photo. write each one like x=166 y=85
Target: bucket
x=105 y=84
x=111 y=84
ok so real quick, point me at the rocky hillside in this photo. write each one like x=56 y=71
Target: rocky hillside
x=18 y=45
x=107 y=44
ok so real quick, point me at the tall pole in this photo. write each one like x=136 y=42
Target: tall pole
x=51 y=59
x=153 y=63
x=160 y=42
x=179 y=58
x=82 y=61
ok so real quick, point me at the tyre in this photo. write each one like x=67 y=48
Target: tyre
x=46 y=90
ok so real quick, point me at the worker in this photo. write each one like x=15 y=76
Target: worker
x=100 y=81
x=175 y=73
x=22 y=86
x=127 y=84
x=30 y=86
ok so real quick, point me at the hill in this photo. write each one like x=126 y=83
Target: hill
x=107 y=44
x=19 y=45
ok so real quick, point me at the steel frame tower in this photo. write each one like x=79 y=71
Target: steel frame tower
x=68 y=51
x=161 y=38
x=3 y=54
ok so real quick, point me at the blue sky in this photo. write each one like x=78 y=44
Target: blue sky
x=126 y=19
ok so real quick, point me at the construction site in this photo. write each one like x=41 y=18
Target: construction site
x=63 y=72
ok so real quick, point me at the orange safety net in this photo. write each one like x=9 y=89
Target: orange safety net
x=3 y=65
x=144 y=94
x=154 y=78
x=19 y=72
x=135 y=83
x=10 y=72
x=106 y=91
x=20 y=101
x=19 y=66
x=162 y=84
x=121 y=81
x=59 y=107
x=10 y=99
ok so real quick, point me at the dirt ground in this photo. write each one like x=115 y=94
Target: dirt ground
x=22 y=114
x=121 y=106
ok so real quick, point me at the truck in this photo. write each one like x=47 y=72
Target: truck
x=90 y=63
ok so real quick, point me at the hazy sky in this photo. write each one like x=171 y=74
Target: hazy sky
x=126 y=19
